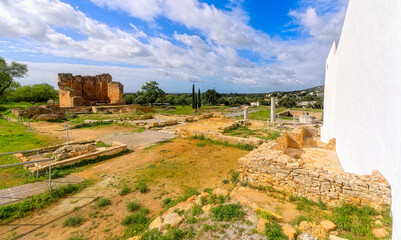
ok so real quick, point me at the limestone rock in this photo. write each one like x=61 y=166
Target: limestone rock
x=335 y=233
x=172 y=219
x=261 y=225
x=380 y=232
x=306 y=236
x=289 y=231
x=69 y=151
x=219 y=191
x=328 y=225
x=49 y=117
x=135 y=238
x=332 y=237
x=313 y=229
x=206 y=208
x=157 y=223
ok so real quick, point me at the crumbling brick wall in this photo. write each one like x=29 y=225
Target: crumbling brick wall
x=80 y=90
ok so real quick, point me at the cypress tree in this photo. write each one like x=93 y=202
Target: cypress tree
x=199 y=99
x=193 y=97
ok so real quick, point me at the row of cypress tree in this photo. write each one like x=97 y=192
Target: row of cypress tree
x=196 y=100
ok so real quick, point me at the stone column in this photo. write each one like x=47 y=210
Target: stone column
x=273 y=110
x=246 y=115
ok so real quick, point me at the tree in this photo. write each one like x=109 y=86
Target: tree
x=211 y=96
x=151 y=91
x=10 y=71
x=287 y=102
x=199 y=99
x=194 y=105
x=35 y=93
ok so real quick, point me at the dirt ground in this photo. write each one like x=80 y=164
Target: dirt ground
x=168 y=169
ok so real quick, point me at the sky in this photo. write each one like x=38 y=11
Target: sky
x=244 y=46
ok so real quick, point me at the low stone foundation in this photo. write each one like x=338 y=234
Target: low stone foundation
x=270 y=165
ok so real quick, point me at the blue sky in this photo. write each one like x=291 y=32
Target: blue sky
x=233 y=46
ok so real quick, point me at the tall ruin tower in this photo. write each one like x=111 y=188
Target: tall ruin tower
x=80 y=90
x=362 y=107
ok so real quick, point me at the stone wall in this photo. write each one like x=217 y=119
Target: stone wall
x=88 y=90
x=290 y=113
x=269 y=165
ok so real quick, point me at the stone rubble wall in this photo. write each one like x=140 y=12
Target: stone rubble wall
x=269 y=165
x=290 y=113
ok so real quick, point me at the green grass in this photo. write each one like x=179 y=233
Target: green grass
x=171 y=202
x=103 y=202
x=76 y=237
x=247 y=147
x=182 y=110
x=245 y=132
x=73 y=221
x=133 y=206
x=142 y=187
x=124 y=191
x=102 y=144
x=159 y=144
x=93 y=124
x=136 y=223
x=227 y=212
x=274 y=231
x=20 y=209
x=15 y=138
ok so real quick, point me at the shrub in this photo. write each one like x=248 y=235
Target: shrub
x=273 y=231
x=221 y=199
x=227 y=212
x=136 y=218
x=234 y=177
x=142 y=187
x=197 y=210
x=73 y=221
x=76 y=237
x=102 y=202
x=202 y=200
x=225 y=181
x=124 y=191
x=132 y=206
x=200 y=144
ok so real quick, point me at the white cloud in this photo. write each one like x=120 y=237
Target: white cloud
x=211 y=53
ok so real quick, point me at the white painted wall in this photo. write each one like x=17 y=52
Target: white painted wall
x=363 y=94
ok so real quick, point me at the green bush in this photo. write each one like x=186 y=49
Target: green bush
x=197 y=210
x=142 y=187
x=225 y=181
x=73 y=221
x=138 y=217
x=124 y=191
x=102 y=202
x=234 y=177
x=274 y=231
x=227 y=212
x=132 y=206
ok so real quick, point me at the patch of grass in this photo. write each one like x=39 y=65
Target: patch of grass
x=102 y=144
x=136 y=223
x=200 y=144
x=158 y=144
x=355 y=219
x=225 y=181
x=264 y=214
x=92 y=124
x=142 y=187
x=171 y=202
x=76 y=237
x=103 y=202
x=208 y=190
x=20 y=209
x=227 y=212
x=274 y=231
x=124 y=191
x=300 y=219
x=73 y=221
x=247 y=147
x=133 y=206
x=172 y=234
x=234 y=177
x=197 y=210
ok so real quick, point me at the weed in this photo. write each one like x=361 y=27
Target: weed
x=197 y=210
x=208 y=190
x=76 y=237
x=200 y=144
x=264 y=214
x=221 y=199
x=124 y=191
x=73 y=221
x=20 y=209
x=102 y=144
x=227 y=212
x=132 y=206
x=136 y=223
x=202 y=200
x=274 y=231
x=300 y=219
x=246 y=147
x=225 y=181
x=102 y=202
x=234 y=177
x=142 y=187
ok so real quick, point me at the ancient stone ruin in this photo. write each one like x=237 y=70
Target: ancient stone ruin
x=75 y=91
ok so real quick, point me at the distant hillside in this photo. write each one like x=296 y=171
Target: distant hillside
x=318 y=89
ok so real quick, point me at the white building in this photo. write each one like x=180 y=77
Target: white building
x=362 y=105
